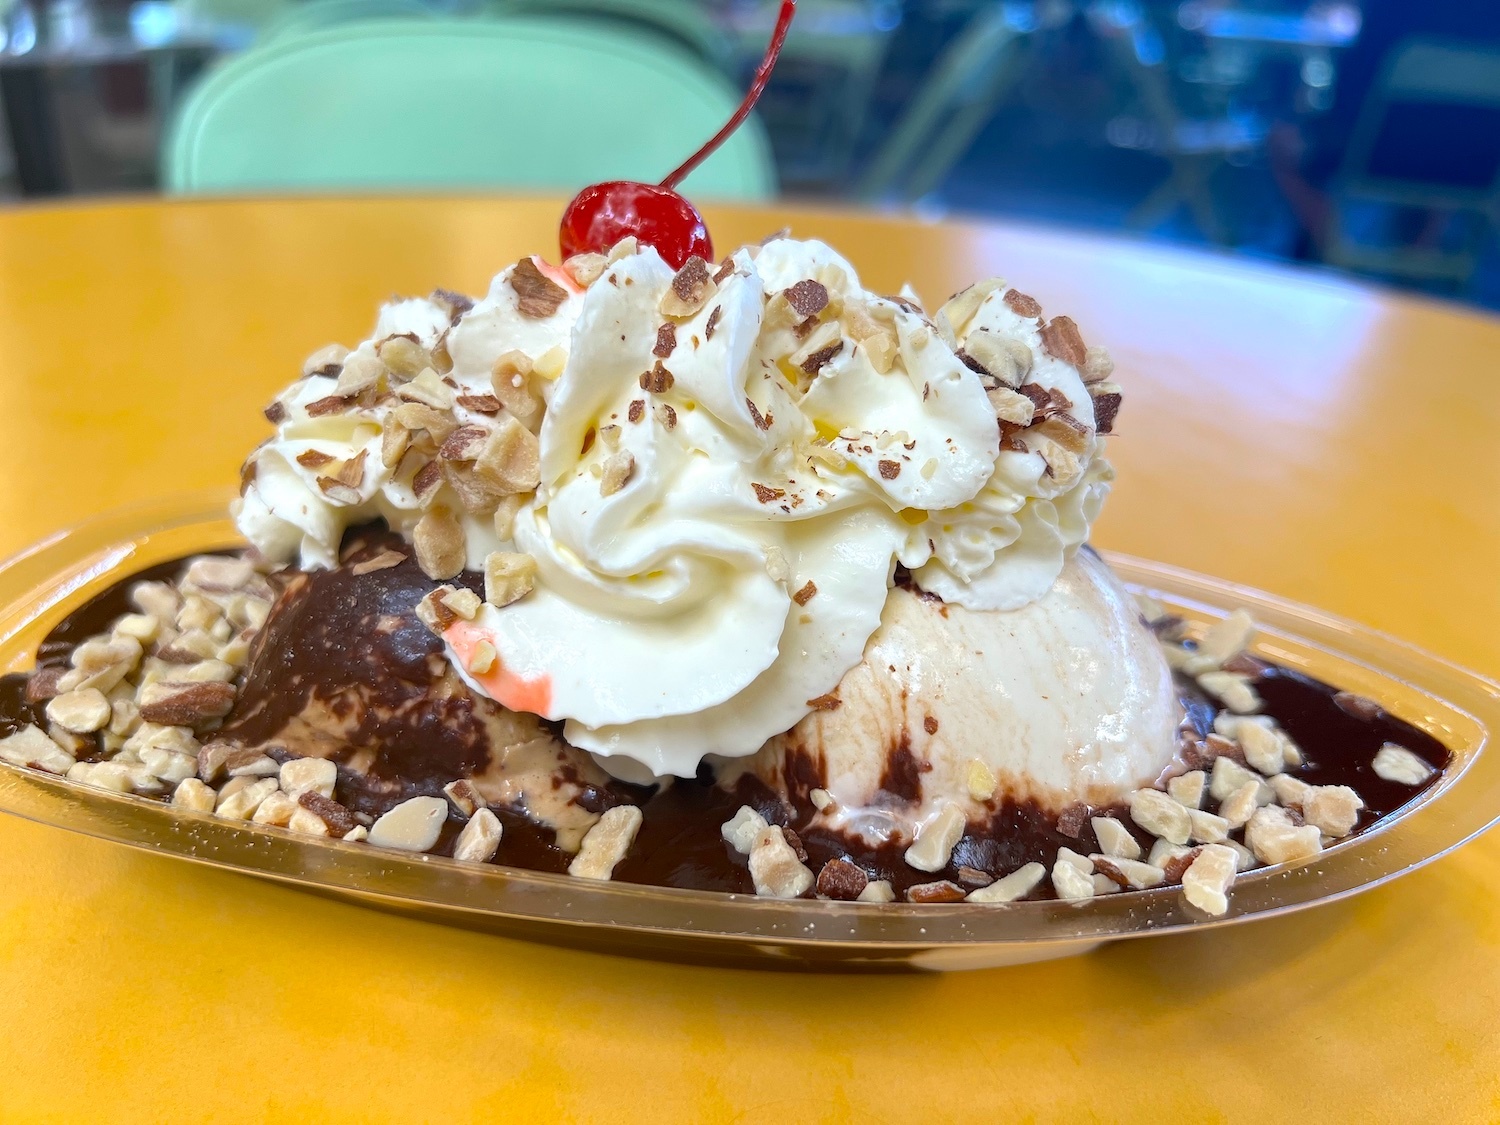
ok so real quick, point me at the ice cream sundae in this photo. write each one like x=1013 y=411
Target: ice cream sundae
x=731 y=575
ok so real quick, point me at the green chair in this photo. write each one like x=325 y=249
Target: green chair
x=446 y=104
x=319 y=15
x=684 y=21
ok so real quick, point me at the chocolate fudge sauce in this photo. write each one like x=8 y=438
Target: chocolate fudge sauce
x=349 y=641
x=352 y=642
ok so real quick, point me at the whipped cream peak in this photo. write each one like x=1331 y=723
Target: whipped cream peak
x=715 y=471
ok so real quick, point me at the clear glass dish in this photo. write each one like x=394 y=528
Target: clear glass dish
x=42 y=584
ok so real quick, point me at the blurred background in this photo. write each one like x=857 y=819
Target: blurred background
x=1363 y=135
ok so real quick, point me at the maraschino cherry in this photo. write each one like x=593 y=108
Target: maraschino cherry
x=602 y=214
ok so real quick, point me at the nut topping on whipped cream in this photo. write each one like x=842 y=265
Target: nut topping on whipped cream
x=792 y=411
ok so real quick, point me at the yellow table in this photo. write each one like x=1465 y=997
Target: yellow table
x=1312 y=437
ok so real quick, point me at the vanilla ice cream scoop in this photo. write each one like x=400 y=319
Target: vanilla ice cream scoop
x=1065 y=700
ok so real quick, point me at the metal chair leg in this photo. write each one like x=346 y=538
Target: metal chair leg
x=970 y=59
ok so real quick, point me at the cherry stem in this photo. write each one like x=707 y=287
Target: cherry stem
x=762 y=76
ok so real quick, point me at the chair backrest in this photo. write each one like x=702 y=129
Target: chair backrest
x=1431 y=70
x=318 y=15
x=449 y=103
x=1422 y=72
x=685 y=21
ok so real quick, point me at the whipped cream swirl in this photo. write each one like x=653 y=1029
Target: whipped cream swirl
x=728 y=469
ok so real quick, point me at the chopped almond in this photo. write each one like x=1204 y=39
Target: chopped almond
x=1061 y=338
x=690 y=290
x=440 y=544
x=537 y=296
x=508 y=577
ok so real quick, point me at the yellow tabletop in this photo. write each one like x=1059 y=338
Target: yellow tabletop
x=1312 y=437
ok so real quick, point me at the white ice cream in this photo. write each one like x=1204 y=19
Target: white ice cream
x=1062 y=701
x=776 y=475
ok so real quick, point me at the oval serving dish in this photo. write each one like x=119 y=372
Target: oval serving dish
x=39 y=586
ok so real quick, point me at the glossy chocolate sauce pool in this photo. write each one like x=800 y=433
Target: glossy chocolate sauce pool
x=347 y=644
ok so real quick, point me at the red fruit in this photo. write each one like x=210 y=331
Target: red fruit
x=602 y=214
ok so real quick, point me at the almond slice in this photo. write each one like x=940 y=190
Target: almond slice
x=412 y=826
x=537 y=296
